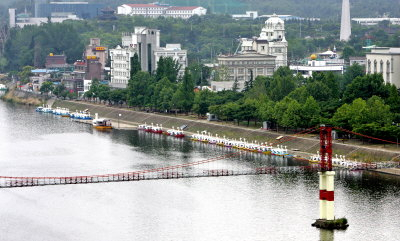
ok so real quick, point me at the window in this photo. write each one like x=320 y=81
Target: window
x=369 y=67
x=388 y=71
x=260 y=71
x=375 y=66
x=381 y=65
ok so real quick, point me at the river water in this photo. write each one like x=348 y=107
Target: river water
x=261 y=207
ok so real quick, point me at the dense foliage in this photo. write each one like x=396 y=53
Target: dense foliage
x=204 y=37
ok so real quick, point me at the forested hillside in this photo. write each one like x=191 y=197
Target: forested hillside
x=329 y=9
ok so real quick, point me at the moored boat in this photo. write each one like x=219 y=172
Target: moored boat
x=102 y=123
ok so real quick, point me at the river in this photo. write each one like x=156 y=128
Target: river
x=264 y=207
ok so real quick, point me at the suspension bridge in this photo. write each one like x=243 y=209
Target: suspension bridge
x=195 y=170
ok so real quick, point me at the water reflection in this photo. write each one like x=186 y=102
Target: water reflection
x=265 y=207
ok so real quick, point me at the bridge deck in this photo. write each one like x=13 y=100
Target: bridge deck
x=12 y=182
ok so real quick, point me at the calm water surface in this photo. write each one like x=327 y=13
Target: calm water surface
x=224 y=208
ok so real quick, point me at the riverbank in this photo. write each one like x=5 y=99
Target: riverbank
x=302 y=147
x=388 y=171
x=24 y=97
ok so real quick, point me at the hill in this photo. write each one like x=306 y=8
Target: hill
x=325 y=9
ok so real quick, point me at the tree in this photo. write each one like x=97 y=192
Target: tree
x=348 y=51
x=25 y=74
x=202 y=102
x=118 y=96
x=46 y=87
x=292 y=115
x=167 y=67
x=361 y=112
x=248 y=110
x=59 y=89
x=394 y=99
x=135 y=65
x=163 y=92
x=310 y=113
x=300 y=94
x=319 y=91
x=366 y=86
x=139 y=89
x=235 y=86
x=248 y=84
x=351 y=73
x=185 y=92
x=104 y=92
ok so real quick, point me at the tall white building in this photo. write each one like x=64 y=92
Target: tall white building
x=121 y=66
x=158 y=10
x=146 y=43
x=271 y=41
x=386 y=61
x=345 y=27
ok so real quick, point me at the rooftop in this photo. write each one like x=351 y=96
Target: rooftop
x=183 y=8
x=145 y=6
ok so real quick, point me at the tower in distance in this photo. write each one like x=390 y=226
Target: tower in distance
x=345 y=27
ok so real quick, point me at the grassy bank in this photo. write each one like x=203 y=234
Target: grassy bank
x=304 y=146
x=19 y=97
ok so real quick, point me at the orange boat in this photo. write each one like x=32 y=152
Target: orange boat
x=102 y=124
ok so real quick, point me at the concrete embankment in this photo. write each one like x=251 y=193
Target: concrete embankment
x=303 y=146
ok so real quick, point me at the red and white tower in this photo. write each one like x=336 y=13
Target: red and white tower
x=326 y=175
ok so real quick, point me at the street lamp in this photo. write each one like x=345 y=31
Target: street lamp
x=119 y=116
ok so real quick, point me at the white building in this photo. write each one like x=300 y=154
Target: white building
x=271 y=41
x=174 y=51
x=121 y=66
x=327 y=61
x=146 y=43
x=376 y=21
x=158 y=10
x=247 y=15
x=386 y=61
x=258 y=56
x=316 y=66
x=362 y=61
x=23 y=19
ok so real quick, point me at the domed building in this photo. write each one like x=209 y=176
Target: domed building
x=272 y=41
x=257 y=56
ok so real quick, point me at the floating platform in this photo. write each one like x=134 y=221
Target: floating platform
x=340 y=224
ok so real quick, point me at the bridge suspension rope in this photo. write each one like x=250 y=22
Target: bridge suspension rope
x=359 y=134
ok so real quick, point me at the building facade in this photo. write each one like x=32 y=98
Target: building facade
x=95 y=49
x=241 y=67
x=56 y=61
x=160 y=10
x=146 y=43
x=121 y=66
x=176 y=52
x=83 y=10
x=386 y=61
